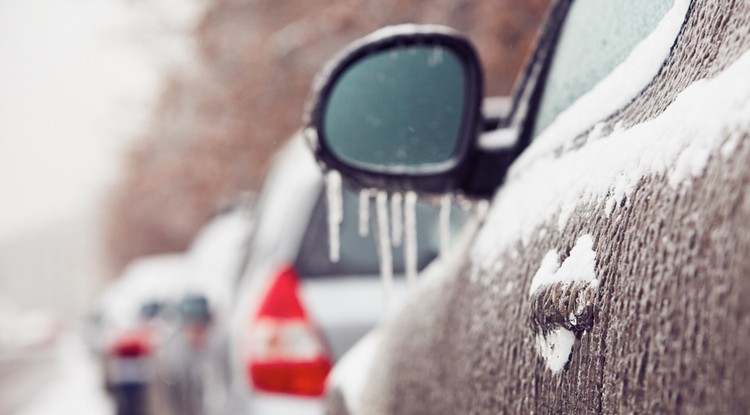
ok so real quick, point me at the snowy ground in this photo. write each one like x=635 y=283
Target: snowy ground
x=67 y=378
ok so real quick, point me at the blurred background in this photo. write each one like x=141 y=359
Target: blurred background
x=127 y=124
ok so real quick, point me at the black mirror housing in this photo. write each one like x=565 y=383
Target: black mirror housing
x=416 y=127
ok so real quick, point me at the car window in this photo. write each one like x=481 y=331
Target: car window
x=596 y=37
x=195 y=309
x=359 y=255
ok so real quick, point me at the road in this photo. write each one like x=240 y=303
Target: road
x=61 y=378
x=23 y=374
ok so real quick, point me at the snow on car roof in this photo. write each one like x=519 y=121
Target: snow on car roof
x=157 y=277
x=214 y=258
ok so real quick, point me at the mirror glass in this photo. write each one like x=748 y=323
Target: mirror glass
x=399 y=109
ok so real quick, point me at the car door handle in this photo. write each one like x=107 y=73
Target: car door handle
x=568 y=305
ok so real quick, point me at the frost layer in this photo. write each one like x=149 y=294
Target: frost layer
x=703 y=118
x=618 y=88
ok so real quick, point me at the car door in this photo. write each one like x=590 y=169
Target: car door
x=610 y=274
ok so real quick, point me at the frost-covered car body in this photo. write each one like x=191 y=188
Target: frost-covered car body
x=611 y=272
x=297 y=311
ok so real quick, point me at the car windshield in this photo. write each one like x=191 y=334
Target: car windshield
x=359 y=255
x=597 y=36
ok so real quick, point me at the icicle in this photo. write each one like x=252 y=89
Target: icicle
x=410 y=245
x=384 y=242
x=397 y=225
x=445 y=225
x=335 y=214
x=482 y=207
x=364 y=212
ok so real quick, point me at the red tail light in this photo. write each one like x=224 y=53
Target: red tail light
x=286 y=352
x=132 y=344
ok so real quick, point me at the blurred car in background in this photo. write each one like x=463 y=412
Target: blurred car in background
x=297 y=311
x=136 y=315
x=192 y=363
x=182 y=358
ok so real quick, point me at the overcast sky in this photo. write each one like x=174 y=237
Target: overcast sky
x=76 y=86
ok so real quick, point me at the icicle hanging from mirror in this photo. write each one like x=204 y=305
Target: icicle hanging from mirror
x=397 y=225
x=384 y=241
x=481 y=208
x=444 y=225
x=335 y=214
x=410 y=243
x=364 y=212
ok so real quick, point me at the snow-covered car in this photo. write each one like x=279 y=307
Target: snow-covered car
x=301 y=303
x=135 y=319
x=192 y=362
x=610 y=274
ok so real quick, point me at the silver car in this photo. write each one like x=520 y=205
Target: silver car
x=297 y=311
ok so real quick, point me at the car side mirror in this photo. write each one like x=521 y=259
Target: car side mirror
x=399 y=110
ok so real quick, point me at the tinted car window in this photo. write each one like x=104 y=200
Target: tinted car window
x=359 y=255
x=596 y=37
x=195 y=309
